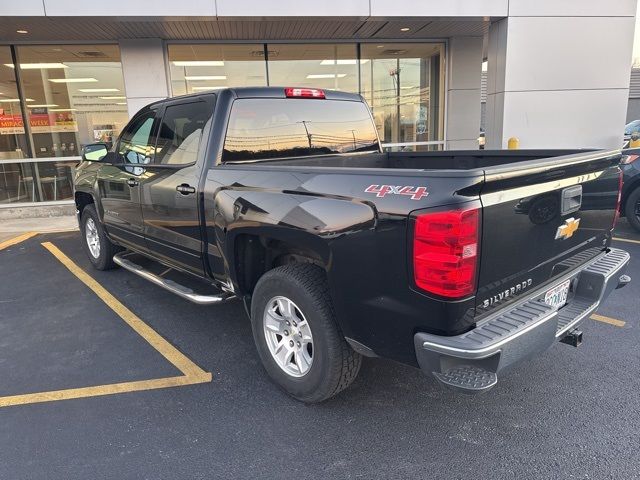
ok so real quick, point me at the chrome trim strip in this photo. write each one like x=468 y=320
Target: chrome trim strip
x=489 y=350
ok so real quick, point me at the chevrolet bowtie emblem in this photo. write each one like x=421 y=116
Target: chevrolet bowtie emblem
x=568 y=229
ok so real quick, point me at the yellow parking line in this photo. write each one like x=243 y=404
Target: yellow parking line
x=192 y=373
x=609 y=320
x=168 y=351
x=96 y=391
x=18 y=239
x=626 y=240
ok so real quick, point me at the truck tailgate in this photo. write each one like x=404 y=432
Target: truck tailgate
x=541 y=218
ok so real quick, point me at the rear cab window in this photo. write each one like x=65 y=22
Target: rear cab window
x=274 y=128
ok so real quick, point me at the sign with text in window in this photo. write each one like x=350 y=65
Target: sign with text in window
x=12 y=124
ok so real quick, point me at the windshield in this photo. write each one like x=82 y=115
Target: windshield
x=261 y=128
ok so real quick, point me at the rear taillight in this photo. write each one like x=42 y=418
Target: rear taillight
x=627 y=159
x=303 y=92
x=616 y=215
x=445 y=252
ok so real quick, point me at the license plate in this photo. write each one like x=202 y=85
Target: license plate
x=557 y=296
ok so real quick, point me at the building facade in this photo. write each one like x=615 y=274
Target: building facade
x=72 y=73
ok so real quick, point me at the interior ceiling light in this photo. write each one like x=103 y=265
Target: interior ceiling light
x=198 y=63
x=63 y=109
x=16 y=100
x=37 y=66
x=97 y=90
x=22 y=31
x=113 y=98
x=326 y=75
x=46 y=105
x=121 y=103
x=405 y=29
x=342 y=62
x=73 y=80
x=204 y=77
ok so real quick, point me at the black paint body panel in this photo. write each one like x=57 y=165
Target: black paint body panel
x=319 y=207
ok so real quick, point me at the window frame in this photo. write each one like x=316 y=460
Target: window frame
x=152 y=136
x=208 y=99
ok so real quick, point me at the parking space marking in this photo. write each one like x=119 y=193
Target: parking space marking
x=99 y=390
x=609 y=320
x=620 y=239
x=18 y=239
x=192 y=373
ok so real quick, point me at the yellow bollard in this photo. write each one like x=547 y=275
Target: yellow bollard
x=635 y=140
x=513 y=143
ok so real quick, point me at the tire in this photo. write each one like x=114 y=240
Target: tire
x=334 y=364
x=630 y=208
x=102 y=258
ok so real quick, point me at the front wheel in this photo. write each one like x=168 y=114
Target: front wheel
x=98 y=247
x=632 y=208
x=297 y=336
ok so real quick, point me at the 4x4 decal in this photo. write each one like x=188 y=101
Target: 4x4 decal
x=416 y=193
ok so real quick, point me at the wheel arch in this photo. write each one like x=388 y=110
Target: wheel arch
x=251 y=254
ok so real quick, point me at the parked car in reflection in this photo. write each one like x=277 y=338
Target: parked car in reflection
x=629 y=129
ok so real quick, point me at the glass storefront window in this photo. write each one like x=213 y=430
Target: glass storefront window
x=403 y=84
x=197 y=68
x=75 y=96
x=13 y=142
x=327 y=66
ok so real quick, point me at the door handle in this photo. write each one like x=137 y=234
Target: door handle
x=185 y=189
x=132 y=182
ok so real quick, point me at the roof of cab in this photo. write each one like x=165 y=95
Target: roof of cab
x=263 y=92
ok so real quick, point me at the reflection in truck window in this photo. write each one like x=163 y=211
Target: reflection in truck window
x=180 y=133
x=261 y=128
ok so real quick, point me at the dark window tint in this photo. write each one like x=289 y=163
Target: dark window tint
x=136 y=144
x=180 y=133
x=261 y=128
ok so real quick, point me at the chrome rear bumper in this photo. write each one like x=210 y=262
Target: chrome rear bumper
x=470 y=362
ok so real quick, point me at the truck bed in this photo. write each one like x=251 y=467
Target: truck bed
x=448 y=160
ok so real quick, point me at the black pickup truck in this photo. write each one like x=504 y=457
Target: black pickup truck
x=458 y=262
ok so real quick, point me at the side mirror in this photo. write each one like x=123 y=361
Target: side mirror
x=94 y=152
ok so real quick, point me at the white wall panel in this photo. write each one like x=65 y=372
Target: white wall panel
x=293 y=8
x=144 y=71
x=131 y=8
x=568 y=53
x=463 y=114
x=572 y=8
x=438 y=8
x=27 y=8
x=565 y=119
x=465 y=62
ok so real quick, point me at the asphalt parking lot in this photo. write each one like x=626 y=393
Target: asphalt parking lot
x=103 y=375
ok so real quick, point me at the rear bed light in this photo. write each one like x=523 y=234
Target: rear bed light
x=303 y=92
x=616 y=215
x=445 y=252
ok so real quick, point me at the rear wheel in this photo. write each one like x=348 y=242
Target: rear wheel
x=296 y=334
x=98 y=247
x=632 y=208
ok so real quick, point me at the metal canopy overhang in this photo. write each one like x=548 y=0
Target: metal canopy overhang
x=102 y=29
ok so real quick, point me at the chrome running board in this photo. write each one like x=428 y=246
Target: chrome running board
x=174 y=287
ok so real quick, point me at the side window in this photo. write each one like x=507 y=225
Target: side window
x=180 y=133
x=136 y=144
